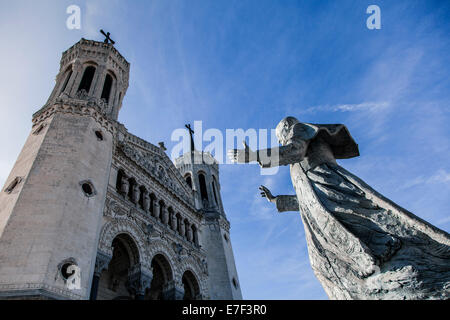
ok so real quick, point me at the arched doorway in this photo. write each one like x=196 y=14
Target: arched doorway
x=191 y=287
x=162 y=275
x=113 y=280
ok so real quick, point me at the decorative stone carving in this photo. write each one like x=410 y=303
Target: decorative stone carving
x=139 y=279
x=178 y=248
x=361 y=244
x=204 y=266
x=82 y=95
x=173 y=290
x=152 y=164
x=101 y=263
x=117 y=226
x=80 y=107
x=205 y=203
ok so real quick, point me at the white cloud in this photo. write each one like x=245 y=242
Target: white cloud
x=441 y=176
x=364 y=106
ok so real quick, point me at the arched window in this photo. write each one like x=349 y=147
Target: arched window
x=120 y=174
x=107 y=88
x=189 y=180
x=162 y=206
x=179 y=223
x=194 y=234
x=86 y=81
x=114 y=276
x=162 y=274
x=203 y=192
x=67 y=80
x=214 y=190
x=191 y=286
x=152 y=203
x=171 y=217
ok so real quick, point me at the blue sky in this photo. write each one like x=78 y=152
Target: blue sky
x=248 y=64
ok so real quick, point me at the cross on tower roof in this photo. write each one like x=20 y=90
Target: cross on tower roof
x=107 y=38
x=191 y=132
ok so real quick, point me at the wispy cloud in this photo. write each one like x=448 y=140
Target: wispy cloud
x=364 y=106
x=441 y=176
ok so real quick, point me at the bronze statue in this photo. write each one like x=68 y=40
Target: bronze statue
x=361 y=245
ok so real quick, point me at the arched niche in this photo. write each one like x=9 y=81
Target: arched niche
x=113 y=280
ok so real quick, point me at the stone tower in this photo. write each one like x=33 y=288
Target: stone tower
x=53 y=200
x=201 y=172
x=91 y=211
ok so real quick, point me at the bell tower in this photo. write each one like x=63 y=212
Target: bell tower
x=94 y=72
x=201 y=172
x=51 y=205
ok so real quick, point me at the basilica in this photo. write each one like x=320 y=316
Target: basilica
x=91 y=211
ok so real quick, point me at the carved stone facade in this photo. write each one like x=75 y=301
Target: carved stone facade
x=84 y=189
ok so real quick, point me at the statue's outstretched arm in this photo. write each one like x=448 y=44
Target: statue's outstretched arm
x=292 y=152
x=283 y=203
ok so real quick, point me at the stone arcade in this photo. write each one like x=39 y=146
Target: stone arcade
x=85 y=193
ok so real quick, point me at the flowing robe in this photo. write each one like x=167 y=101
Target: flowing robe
x=361 y=245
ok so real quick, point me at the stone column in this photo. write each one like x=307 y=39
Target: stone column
x=188 y=231
x=72 y=86
x=181 y=228
x=199 y=297
x=69 y=85
x=146 y=202
x=139 y=279
x=173 y=290
x=116 y=105
x=209 y=187
x=174 y=221
x=135 y=194
x=124 y=185
x=98 y=81
x=165 y=215
x=101 y=263
x=116 y=93
x=156 y=209
x=195 y=236
x=60 y=79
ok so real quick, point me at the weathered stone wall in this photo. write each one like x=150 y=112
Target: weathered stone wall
x=152 y=234
x=223 y=280
x=53 y=219
x=221 y=265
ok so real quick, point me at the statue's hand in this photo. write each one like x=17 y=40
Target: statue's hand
x=265 y=193
x=242 y=155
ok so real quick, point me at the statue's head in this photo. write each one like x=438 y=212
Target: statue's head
x=283 y=130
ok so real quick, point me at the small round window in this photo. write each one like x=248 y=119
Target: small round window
x=99 y=135
x=88 y=188
x=65 y=270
